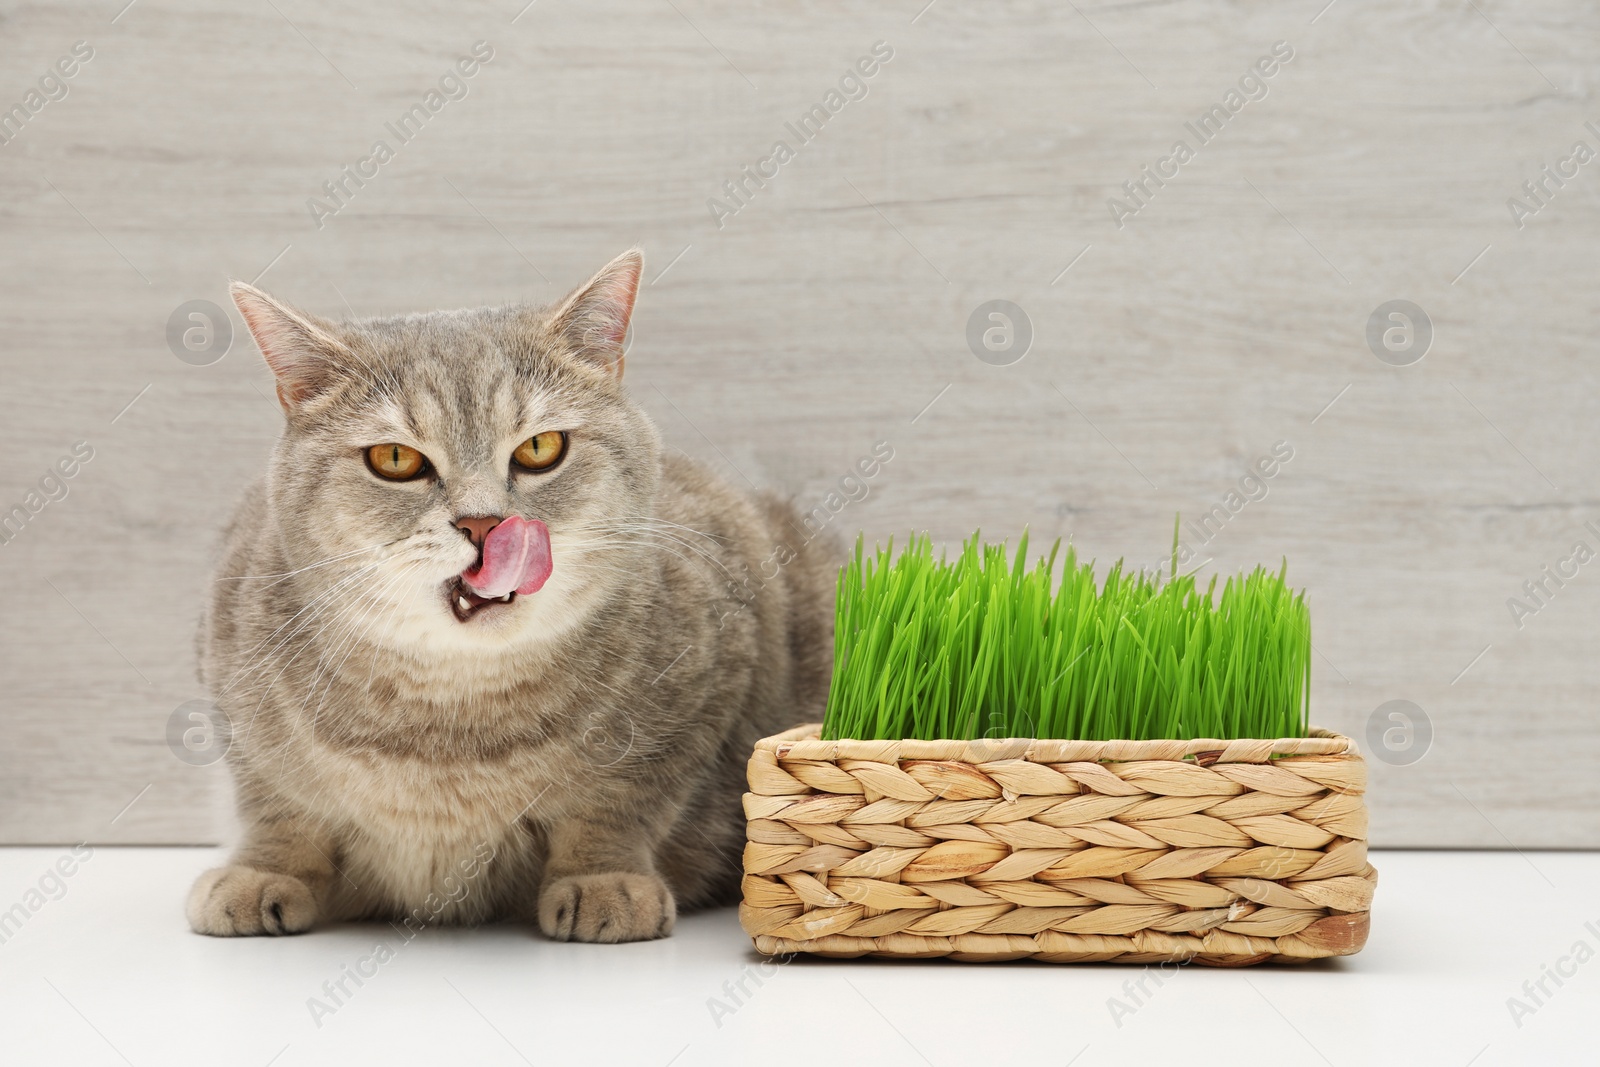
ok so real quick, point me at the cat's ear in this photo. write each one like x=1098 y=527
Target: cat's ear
x=593 y=319
x=301 y=349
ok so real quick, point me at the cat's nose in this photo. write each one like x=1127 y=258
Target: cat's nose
x=477 y=527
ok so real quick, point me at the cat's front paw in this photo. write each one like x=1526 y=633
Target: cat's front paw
x=237 y=901
x=607 y=908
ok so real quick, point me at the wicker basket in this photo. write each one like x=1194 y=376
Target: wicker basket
x=1220 y=852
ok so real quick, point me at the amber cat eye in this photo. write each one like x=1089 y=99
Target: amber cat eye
x=396 y=462
x=541 y=451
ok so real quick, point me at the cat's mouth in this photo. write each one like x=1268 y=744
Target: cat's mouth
x=465 y=603
x=514 y=560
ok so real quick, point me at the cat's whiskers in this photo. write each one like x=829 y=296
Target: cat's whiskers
x=662 y=527
x=666 y=534
x=317 y=603
x=332 y=639
x=352 y=636
x=655 y=521
x=409 y=605
x=619 y=537
x=424 y=552
x=320 y=609
x=308 y=643
x=312 y=610
x=593 y=544
x=283 y=576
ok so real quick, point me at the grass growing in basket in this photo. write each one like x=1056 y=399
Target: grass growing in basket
x=980 y=646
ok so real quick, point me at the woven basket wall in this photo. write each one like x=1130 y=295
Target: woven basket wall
x=1066 y=851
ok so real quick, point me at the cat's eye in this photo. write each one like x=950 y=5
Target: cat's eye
x=541 y=451
x=396 y=462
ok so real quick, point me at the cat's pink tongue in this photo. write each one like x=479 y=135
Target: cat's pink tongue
x=516 y=556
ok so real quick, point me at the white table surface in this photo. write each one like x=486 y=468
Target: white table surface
x=108 y=973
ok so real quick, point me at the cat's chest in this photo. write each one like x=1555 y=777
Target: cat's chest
x=447 y=796
x=397 y=759
x=415 y=833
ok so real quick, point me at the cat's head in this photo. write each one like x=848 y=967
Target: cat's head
x=458 y=480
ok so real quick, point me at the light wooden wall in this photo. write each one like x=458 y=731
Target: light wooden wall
x=1226 y=316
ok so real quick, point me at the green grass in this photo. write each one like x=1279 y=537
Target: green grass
x=983 y=646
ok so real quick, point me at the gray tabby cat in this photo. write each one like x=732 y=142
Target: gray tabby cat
x=488 y=652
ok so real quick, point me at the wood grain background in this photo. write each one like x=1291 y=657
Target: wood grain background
x=1227 y=315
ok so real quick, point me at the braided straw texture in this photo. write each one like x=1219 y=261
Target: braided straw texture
x=1065 y=851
